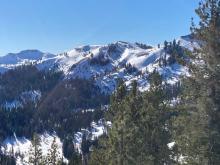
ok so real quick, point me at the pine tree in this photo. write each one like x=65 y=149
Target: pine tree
x=53 y=156
x=197 y=130
x=155 y=124
x=165 y=45
x=85 y=149
x=140 y=129
x=35 y=152
x=112 y=148
x=75 y=159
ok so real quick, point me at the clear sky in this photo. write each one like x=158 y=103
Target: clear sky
x=59 y=25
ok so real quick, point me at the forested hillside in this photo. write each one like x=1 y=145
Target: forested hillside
x=148 y=129
x=117 y=104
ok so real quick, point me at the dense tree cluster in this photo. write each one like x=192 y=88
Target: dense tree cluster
x=143 y=46
x=114 y=50
x=101 y=59
x=176 y=53
x=197 y=128
x=141 y=128
x=61 y=107
x=144 y=124
x=26 y=78
x=130 y=68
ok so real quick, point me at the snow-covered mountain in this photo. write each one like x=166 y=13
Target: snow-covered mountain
x=104 y=63
x=12 y=60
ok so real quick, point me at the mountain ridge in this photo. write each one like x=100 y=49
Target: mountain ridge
x=106 y=63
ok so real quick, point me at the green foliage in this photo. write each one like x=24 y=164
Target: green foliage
x=197 y=126
x=25 y=78
x=59 y=108
x=53 y=156
x=35 y=152
x=73 y=94
x=155 y=79
x=130 y=68
x=101 y=59
x=68 y=149
x=70 y=153
x=177 y=54
x=140 y=130
x=75 y=160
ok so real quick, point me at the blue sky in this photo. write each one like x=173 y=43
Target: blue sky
x=59 y=25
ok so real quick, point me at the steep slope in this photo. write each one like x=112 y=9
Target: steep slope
x=21 y=147
x=105 y=64
x=53 y=101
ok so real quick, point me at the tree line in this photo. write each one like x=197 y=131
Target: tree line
x=147 y=129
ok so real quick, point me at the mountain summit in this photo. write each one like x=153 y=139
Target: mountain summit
x=106 y=63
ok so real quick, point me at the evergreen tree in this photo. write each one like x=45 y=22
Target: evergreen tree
x=134 y=88
x=165 y=45
x=85 y=149
x=75 y=159
x=154 y=124
x=140 y=130
x=70 y=153
x=53 y=157
x=197 y=128
x=35 y=152
x=112 y=147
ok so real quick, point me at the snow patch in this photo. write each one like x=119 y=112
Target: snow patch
x=20 y=147
x=96 y=130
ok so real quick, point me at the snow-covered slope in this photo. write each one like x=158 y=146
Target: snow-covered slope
x=20 y=147
x=96 y=130
x=12 y=60
x=104 y=63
